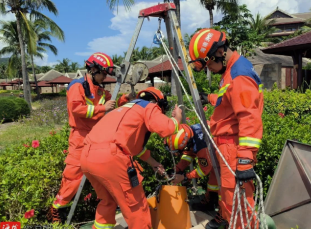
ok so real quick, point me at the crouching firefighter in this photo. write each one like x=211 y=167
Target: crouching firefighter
x=190 y=143
x=236 y=123
x=87 y=103
x=107 y=157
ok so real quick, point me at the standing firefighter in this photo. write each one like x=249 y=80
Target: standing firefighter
x=87 y=102
x=107 y=157
x=236 y=122
x=190 y=142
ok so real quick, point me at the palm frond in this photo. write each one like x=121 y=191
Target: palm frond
x=31 y=35
x=55 y=30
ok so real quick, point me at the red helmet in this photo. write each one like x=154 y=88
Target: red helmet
x=101 y=61
x=203 y=46
x=156 y=94
x=180 y=140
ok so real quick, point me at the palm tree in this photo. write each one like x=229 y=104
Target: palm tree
x=9 y=36
x=22 y=8
x=74 y=66
x=3 y=71
x=44 y=30
x=262 y=26
x=112 y=4
x=45 y=69
x=117 y=60
x=222 y=5
x=63 y=66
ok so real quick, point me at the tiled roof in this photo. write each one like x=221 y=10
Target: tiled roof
x=61 y=80
x=43 y=84
x=165 y=66
x=263 y=58
x=50 y=75
x=5 y=84
x=299 y=40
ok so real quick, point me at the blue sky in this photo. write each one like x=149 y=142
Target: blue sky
x=90 y=26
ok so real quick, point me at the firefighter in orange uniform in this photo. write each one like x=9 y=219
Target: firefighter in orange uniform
x=107 y=157
x=87 y=102
x=236 y=122
x=190 y=142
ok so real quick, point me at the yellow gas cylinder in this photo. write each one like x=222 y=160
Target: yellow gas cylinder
x=173 y=210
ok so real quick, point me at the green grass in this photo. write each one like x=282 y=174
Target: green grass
x=19 y=133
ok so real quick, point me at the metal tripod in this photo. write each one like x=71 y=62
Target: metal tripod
x=167 y=12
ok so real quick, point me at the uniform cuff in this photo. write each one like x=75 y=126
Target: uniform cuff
x=144 y=154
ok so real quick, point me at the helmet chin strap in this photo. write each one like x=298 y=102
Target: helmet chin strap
x=94 y=81
x=222 y=60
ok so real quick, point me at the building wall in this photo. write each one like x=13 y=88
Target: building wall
x=126 y=88
x=269 y=74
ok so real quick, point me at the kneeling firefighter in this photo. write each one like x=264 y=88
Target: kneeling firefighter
x=190 y=142
x=107 y=157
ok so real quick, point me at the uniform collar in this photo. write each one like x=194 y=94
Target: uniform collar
x=230 y=62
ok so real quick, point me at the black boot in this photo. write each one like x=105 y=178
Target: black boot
x=204 y=203
x=217 y=222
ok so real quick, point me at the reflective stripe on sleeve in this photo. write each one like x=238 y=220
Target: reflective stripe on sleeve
x=90 y=111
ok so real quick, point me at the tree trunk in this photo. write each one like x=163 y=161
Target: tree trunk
x=211 y=19
x=26 y=85
x=35 y=77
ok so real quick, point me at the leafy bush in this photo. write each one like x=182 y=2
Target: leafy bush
x=30 y=178
x=8 y=109
x=166 y=89
x=11 y=108
x=22 y=106
x=50 y=113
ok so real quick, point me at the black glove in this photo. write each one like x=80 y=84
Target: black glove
x=204 y=98
x=245 y=175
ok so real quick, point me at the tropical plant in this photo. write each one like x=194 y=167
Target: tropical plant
x=3 y=71
x=117 y=60
x=44 y=29
x=21 y=9
x=63 y=65
x=224 y=6
x=74 y=66
x=45 y=69
x=113 y=4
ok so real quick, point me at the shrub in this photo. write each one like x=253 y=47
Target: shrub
x=22 y=106
x=8 y=109
x=50 y=113
x=31 y=176
x=11 y=108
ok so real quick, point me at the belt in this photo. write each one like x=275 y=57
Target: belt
x=226 y=139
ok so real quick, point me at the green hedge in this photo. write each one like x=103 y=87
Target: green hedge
x=12 y=108
x=30 y=177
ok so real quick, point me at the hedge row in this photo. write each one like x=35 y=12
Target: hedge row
x=31 y=176
x=12 y=108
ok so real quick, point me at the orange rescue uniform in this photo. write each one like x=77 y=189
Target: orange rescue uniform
x=122 y=133
x=84 y=112
x=236 y=125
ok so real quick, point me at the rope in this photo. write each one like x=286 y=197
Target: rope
x=165 y=174
x=237 y=193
